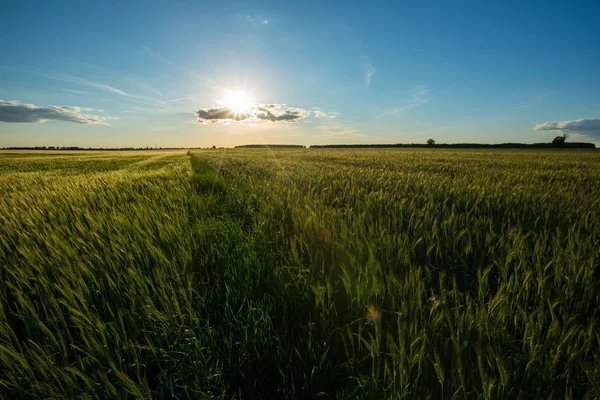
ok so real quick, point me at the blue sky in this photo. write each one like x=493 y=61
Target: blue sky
x=132 y=73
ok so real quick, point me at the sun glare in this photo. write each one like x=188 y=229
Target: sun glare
x=238 y=102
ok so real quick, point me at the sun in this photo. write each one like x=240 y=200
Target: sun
x=238 y=102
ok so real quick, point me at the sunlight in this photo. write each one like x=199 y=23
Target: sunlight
x=238 y=102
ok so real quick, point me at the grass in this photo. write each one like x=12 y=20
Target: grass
x=300 y=273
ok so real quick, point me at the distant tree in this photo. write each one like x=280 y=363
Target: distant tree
x=559 y=141
x=430 y=142
x=214 y=147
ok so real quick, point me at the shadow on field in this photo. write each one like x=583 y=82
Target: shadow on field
x=257 y=307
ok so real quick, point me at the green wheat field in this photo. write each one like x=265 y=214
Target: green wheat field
x=308 y=273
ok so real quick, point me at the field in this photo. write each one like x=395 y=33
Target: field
x=300 y=273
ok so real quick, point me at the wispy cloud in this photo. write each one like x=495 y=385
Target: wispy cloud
x=544 y=95
x=181 y=99
x=345 y=131
x=15 y=111
x=323 y=114
x=80 y=81
x=531 y=99
x=188 y=71
x=127 y=97
x=583 y=126
x=369 y=71
x=100 y=86
x=82 y=92
x=257 y=20
x=151 y=110
x=419 y=97
x=148 y=88
x=122 y=77
x=109 y=89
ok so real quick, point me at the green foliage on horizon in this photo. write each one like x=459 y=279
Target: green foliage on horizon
x=300 y=273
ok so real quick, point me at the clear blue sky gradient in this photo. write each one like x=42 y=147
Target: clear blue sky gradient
x=463 y=71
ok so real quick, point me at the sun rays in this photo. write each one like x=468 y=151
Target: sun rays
x=238 y=102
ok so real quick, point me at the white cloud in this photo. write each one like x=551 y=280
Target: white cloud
x=279 y=113
x=265 y=22
x=323 y=114
x=214 y=115
x=583 y=126
x=15 y=111
x=259 y=112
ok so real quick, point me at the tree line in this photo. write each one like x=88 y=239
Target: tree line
x=551 y=145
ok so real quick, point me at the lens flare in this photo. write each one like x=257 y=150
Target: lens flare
x=373 y=315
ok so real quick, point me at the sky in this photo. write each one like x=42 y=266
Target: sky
x=197 y=73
